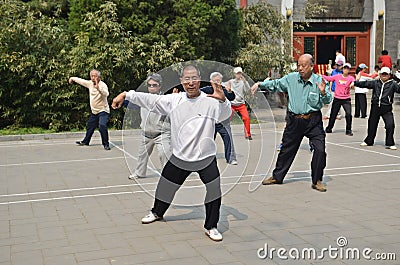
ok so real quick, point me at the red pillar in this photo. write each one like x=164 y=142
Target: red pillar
x=243 y=4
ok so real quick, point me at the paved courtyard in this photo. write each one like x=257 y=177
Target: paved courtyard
x=67 y=205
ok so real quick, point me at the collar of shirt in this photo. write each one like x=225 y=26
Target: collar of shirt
x=311 y=80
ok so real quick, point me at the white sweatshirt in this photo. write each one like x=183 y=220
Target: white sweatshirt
x=192 y=121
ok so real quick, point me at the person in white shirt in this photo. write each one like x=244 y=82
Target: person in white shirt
x=340 y=57
x=193 y=116
x=98 y=93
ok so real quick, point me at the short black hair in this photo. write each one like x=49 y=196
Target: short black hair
x=385 y=52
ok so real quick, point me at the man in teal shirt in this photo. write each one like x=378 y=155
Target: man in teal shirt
x=307 y=94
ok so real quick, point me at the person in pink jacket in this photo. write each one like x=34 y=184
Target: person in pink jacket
x=344 y=82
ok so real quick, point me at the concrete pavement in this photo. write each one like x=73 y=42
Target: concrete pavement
x=69 y=205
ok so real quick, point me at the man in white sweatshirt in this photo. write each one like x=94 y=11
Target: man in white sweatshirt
x=193 y=116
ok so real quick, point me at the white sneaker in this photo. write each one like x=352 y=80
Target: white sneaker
x=151 y=217
x=134 y=176
x=363 y=144
x=233 y=162
x=393 y=147
x=214 y=234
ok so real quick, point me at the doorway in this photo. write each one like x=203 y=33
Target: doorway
x=326 y=48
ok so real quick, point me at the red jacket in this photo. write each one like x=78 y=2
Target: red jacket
x=385 y=60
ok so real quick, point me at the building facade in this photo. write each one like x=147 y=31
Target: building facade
x=360 y=29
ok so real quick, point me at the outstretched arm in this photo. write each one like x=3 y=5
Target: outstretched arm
x=80 y=81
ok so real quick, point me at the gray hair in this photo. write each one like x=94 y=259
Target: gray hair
x=95 y=70
x=214 y=74
x=155 y=77
x=190 y=66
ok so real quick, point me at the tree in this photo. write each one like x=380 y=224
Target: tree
x=32 y=50
x=123 y=59
x=38 y=55
x=124 y=39
x=266 y=37
x=78 y=9
x=206 y=29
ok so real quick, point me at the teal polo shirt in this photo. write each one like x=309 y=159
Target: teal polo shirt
x=304 y=96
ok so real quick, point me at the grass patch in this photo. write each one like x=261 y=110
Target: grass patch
x=19 y=131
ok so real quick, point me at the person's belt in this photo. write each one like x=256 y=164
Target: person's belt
x=305 y=116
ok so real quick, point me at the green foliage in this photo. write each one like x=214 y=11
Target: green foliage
x=78 y=9
x=38 y=55
x=266 y=37
x=31 y=130
x=44 y=42
x=206 y=29
x=124 y=60
x=55 y=8
x=32 y=48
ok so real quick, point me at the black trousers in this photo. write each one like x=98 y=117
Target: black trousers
x=374 y=116
x=336 y=104
x=296 y=129
x=173 y=176
x=97 y=120
x=360 y=105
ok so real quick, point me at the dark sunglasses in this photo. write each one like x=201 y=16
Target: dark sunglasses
x=153 y=85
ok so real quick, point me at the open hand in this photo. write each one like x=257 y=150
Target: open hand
x=218 y=92
x=254 y=88
x=322 y=87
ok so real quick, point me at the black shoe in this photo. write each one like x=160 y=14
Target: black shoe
x=249 y=138
x=328 y=130
x=80 y=143
x=107 y=147
x=349 y=133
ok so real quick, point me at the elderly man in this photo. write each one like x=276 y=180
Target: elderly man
x=193 y=115
x=223 y=128
x=307 y=95
x=98 y=93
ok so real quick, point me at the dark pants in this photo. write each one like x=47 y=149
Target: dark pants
x=387 y=115
x=336 y=104
x=360 y=105
x=172 y=177
x=99 y=120
x=224 y=129
x=296 y=129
